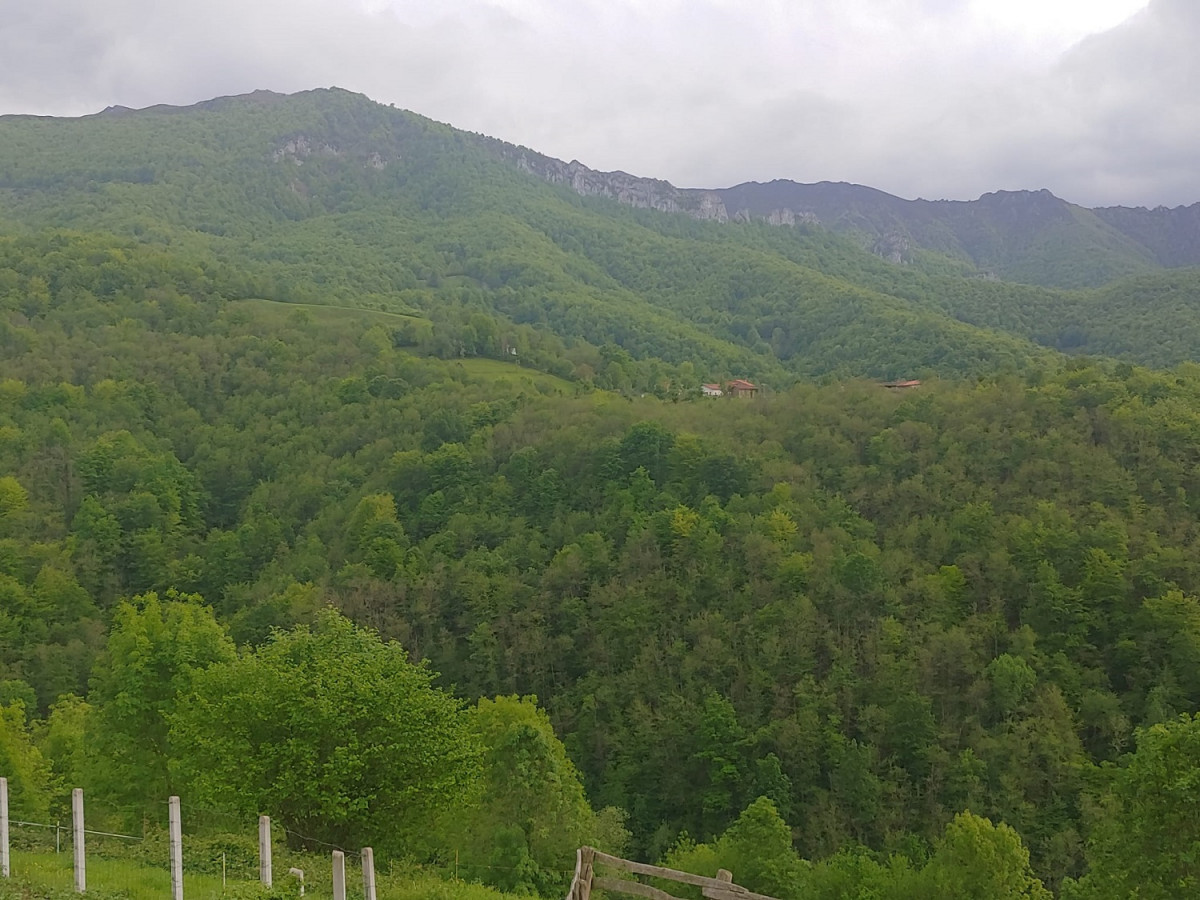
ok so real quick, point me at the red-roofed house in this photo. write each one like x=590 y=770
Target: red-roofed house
x=901 y=384
x=711 y=390
x=739 y=387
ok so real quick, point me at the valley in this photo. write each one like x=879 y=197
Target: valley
x=310 y=404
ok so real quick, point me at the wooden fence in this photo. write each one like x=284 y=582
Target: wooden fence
x=587 y=858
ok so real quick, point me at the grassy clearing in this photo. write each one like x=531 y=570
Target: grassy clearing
x=278 y=311
x=498 y=370
x=433 y=888
x=275 y=313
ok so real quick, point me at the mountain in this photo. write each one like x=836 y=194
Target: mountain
x=1026 y=236
x=327 y=197
x=273 y=354
x=1172 y=235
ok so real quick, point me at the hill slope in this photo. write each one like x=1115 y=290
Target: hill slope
x=1025 y=236
x=328 y=197
x=873 y=608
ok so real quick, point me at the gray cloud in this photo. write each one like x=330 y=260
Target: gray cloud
x=918 y=97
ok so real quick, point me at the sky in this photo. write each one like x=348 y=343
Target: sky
x=1096 y=100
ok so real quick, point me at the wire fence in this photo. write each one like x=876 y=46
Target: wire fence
x=131 y=865
x=220 y=853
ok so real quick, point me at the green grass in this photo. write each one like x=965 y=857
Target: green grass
x=52 y=872
x=429 y=887
x=497 y=370
x=278 y=310
x=274 y=313
x=48 y=876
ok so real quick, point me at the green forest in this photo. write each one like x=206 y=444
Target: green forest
x=382 y=499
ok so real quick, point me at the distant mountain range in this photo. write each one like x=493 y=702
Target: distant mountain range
x=328 y=197
x=1027 y=236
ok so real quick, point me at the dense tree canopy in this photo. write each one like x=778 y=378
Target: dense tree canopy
x=820 y=625
x=1147 y=832
x=331 y=729
x=531 y=813
x=154 y=652
x=877 y=609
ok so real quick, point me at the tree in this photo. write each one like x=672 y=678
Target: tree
x=1148 y=842
x=331 y=730
x=1012 y=679
x=719 y=736
x=26 y=770
x=976 y=860
x=61 y=739
x=756 y=848
x=13 y=498
x=376 y=536
x=531 y=814
x=155 y=650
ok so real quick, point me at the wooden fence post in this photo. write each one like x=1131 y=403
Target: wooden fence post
x=368 y=867
x=264 y=850
x=175 y=833
x=719 y=888
x=587 y=858
x=339 y=875
x=77 y=840
x=573 y=890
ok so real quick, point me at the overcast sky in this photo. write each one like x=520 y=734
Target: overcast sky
x=1097 y=100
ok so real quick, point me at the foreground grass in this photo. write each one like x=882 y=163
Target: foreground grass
x=48 y=876
x=430 y=887
x=51 y=874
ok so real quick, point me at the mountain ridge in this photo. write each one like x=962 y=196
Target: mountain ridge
x=1028 y=235
x=997 y=233
x=328 y=197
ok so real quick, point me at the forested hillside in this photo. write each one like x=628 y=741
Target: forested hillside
x=844 y=640
x=327 y=197
x=1027 y=236
x=1024 y=236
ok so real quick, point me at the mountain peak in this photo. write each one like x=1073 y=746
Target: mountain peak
x=1023 y=235
x=1041 y=195
x=260 y=97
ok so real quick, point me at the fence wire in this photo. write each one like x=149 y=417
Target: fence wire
x=134 y=866
x=220 y=857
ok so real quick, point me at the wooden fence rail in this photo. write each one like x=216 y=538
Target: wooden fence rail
x=587 y=858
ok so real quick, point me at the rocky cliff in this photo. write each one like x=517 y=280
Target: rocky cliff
x=642 y=193
x=1030 y=236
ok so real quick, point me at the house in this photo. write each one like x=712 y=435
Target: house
x=739 y=387
x=711 y=390
x=900 y=385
